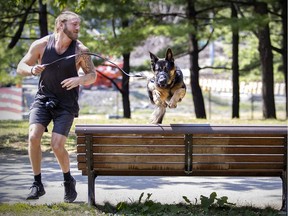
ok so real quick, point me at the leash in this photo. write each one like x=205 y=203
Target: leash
x=97 y=55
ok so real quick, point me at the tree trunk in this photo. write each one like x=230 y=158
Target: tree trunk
x=125 y=79
x=266 y=59
x=125 y=87
x=43 y=19
x=284 y=48
x=194 y=64
x=235 y=65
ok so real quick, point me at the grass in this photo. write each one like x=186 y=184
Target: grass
x=44 y=210
x=148 y=207
x=13 y=140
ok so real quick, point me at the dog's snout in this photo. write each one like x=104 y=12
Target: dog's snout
x=162 y=80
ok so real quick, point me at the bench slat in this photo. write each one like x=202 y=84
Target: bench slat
x=134 y=140
x=238 y=141
x=180 y=166
x=177 y=149
x=179 y=141
x=240 y=172
x=209 y=158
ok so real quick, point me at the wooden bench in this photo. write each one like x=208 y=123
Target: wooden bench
x=182 y=150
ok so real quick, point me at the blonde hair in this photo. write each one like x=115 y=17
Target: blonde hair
x=63 y=17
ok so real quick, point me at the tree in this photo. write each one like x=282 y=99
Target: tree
x=122 y=25
x=12 y=25
x=251 y=62
x=283 y=50
x=120 y=31
x=235 y=63
x=43 y=23
x=266 y=58
x=279 y=9
x=194 y=62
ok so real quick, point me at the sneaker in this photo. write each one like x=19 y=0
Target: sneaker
x=70 y=192
x=37 y=190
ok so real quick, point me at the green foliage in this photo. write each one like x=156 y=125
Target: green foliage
x=149 y=207
x=144 y=67
x=209 y=206
x=75 y=5
x=6 y=80
x=213 y=201
x=75 y=209
x=115 y=39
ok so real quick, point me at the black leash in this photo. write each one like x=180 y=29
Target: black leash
x=97 y=55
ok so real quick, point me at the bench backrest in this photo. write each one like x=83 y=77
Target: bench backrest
x=181 y=150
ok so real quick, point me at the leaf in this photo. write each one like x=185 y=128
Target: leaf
x=206 y=202
x=148 y=196
x=186 y=200
x=140 y=198
x=120 y=206
x=213 y=196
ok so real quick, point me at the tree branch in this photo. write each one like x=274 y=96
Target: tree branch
x=278 y=50
x=160 y=15
x=216 y=68
x=208 y=40
x=219 y=68
x=21 y=27
x=243 y=16
x=22 y=38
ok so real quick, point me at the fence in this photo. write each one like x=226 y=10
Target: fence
x=222 y=85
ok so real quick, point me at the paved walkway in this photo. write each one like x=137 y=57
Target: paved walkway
x=16 y=178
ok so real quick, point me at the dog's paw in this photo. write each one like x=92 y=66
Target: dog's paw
x=172 y=105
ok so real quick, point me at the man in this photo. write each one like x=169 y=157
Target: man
x=57 y=95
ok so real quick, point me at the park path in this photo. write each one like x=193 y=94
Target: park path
x=16 y=178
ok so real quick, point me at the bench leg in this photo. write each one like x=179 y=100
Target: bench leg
x=90 y=172
x=284 y=191
x=91 y=189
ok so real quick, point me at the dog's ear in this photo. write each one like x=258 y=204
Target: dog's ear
x=169 y=55
x=154 y=58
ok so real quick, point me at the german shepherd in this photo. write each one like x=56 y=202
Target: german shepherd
x=166 y=87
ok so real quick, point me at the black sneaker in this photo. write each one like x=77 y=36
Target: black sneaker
x=70 y=192
x=37 y=190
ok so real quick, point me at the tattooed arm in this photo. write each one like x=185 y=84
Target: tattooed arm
x=86 y=63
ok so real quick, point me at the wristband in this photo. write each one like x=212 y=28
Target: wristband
x=32 y=71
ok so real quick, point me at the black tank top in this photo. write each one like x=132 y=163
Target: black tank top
x=49 y=86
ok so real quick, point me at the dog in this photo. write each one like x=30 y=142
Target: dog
x=166 y=88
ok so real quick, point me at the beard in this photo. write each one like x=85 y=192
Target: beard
x=70 y=34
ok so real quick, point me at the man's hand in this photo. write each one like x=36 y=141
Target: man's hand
x=70 y=83
x=37 y=69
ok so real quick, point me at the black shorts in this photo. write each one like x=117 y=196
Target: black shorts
x=62 y=119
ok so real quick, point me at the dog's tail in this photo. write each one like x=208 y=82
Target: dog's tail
x=158 y=115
